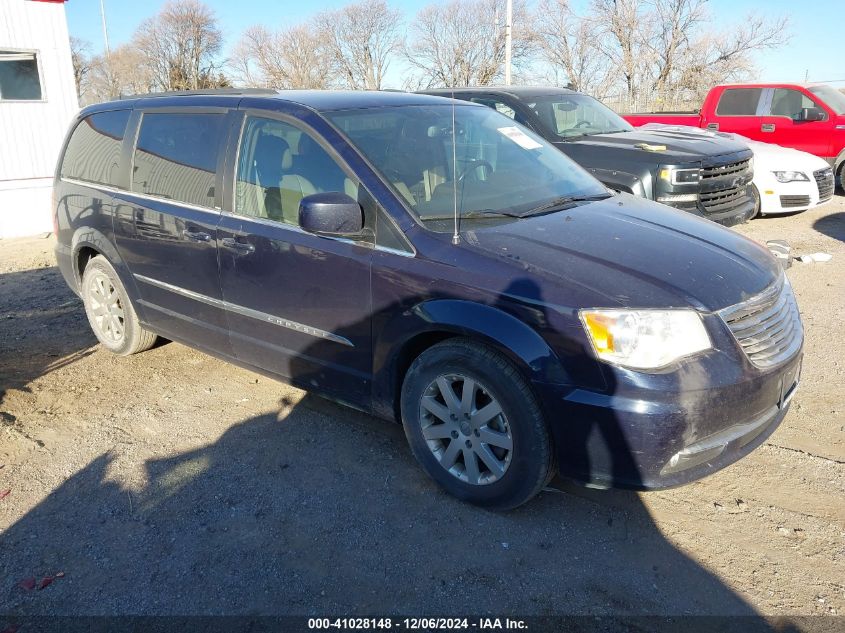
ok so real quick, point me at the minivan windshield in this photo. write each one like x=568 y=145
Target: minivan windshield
x=576 y=115
x=834 y=99
x=484 y=162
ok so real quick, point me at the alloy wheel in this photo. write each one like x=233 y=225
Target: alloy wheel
x=465 y=428
x=106 y=308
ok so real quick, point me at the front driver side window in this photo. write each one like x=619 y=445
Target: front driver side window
x=278 y=165
x=789 y=103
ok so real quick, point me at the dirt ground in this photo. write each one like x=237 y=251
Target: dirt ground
x=173 y=483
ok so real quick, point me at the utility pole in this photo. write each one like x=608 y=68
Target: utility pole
x=508 y=41
x=105 y=30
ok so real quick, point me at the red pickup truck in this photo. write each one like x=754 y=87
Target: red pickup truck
x=810 y=118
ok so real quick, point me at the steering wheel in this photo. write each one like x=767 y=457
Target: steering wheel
x=473 y=165
x=583 y=123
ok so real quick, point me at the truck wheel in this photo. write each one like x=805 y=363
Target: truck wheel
x=109 y=311
x=475 y=426
x=841 y=176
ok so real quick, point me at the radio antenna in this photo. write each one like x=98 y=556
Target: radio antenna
x=456 y=236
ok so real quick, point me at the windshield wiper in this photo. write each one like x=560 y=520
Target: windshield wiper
x=557 y=204
x=473 y=215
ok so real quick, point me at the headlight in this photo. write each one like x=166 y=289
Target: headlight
x=645 y=339
x=680 y=176
x=791 y=176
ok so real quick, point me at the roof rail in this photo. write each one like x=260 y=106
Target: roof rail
x=210 y=91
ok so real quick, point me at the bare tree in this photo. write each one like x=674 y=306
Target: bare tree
x=80 y=56
x=665 y=52
x=181 y=45
x=462 y=42
x=122 y=72
x=625 y=28
x=570 y=43
x=360 y=39
x=291 y=58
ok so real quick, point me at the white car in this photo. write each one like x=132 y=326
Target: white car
x=785 y=180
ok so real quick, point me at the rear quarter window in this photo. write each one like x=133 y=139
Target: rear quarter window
x=739 y=102
x=176 y=156
x=93 y=152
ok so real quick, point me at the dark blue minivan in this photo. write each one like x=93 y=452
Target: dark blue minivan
x=430 y=261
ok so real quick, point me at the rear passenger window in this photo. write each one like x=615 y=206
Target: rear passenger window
x=279 y=165
x=176 y=156
x=93 y=152
x=739 y=102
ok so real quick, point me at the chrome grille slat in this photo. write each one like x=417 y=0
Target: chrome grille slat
x=825 y=182
x=768 y=326
x=754 y=321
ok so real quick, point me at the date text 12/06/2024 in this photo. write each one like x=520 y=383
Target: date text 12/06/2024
x=417 y=624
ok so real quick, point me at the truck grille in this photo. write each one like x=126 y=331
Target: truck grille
x=824 y=179
x=728 y=169
x=787 y=202
x=715 y=201
x=767 y=326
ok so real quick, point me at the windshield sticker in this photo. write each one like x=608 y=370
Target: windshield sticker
x=519 y=137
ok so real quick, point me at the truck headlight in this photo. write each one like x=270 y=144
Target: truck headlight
x=644 y=339
x=791 y=176
x=680 y=176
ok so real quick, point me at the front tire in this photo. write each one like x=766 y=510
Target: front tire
x=110 y=312
x=758 y=203
x=474 y=425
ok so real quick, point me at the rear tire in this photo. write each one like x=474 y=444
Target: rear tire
x=110 y=312
x=475 y=426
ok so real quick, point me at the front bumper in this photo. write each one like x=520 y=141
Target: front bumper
x=653 y=431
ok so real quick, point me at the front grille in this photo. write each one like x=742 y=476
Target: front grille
x=715 y=201
x=728 y=169
x=788 y=202
x=767 y=326
x=824 y=179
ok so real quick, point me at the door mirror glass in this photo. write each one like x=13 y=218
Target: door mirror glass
x=811 y=114
x=331 y=213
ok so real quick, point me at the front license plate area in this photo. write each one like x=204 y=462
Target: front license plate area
x=789 y=384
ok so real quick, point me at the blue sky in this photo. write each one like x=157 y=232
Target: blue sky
x=811 y=26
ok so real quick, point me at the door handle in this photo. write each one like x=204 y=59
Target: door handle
x=244 y=248
x=196 y=236
x=712 y=126
x=767 y=127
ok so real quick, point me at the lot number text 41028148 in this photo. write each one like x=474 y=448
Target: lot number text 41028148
x=415 y=624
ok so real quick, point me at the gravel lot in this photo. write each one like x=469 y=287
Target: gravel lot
x=173 y=483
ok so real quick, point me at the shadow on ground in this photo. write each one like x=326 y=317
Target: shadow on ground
x=832 y=225
x=42 y=327
x=316 y=510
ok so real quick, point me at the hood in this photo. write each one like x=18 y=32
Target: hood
x=630 y=252
x=766 y=155
x=680 y=147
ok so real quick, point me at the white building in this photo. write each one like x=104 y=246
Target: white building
x=37 y=103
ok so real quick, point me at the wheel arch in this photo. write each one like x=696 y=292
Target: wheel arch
x=410 y=333
x=88 y=242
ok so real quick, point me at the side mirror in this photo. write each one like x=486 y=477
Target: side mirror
x=811 y=114
x=330 y=213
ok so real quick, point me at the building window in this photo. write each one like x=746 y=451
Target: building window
x=19 y=80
